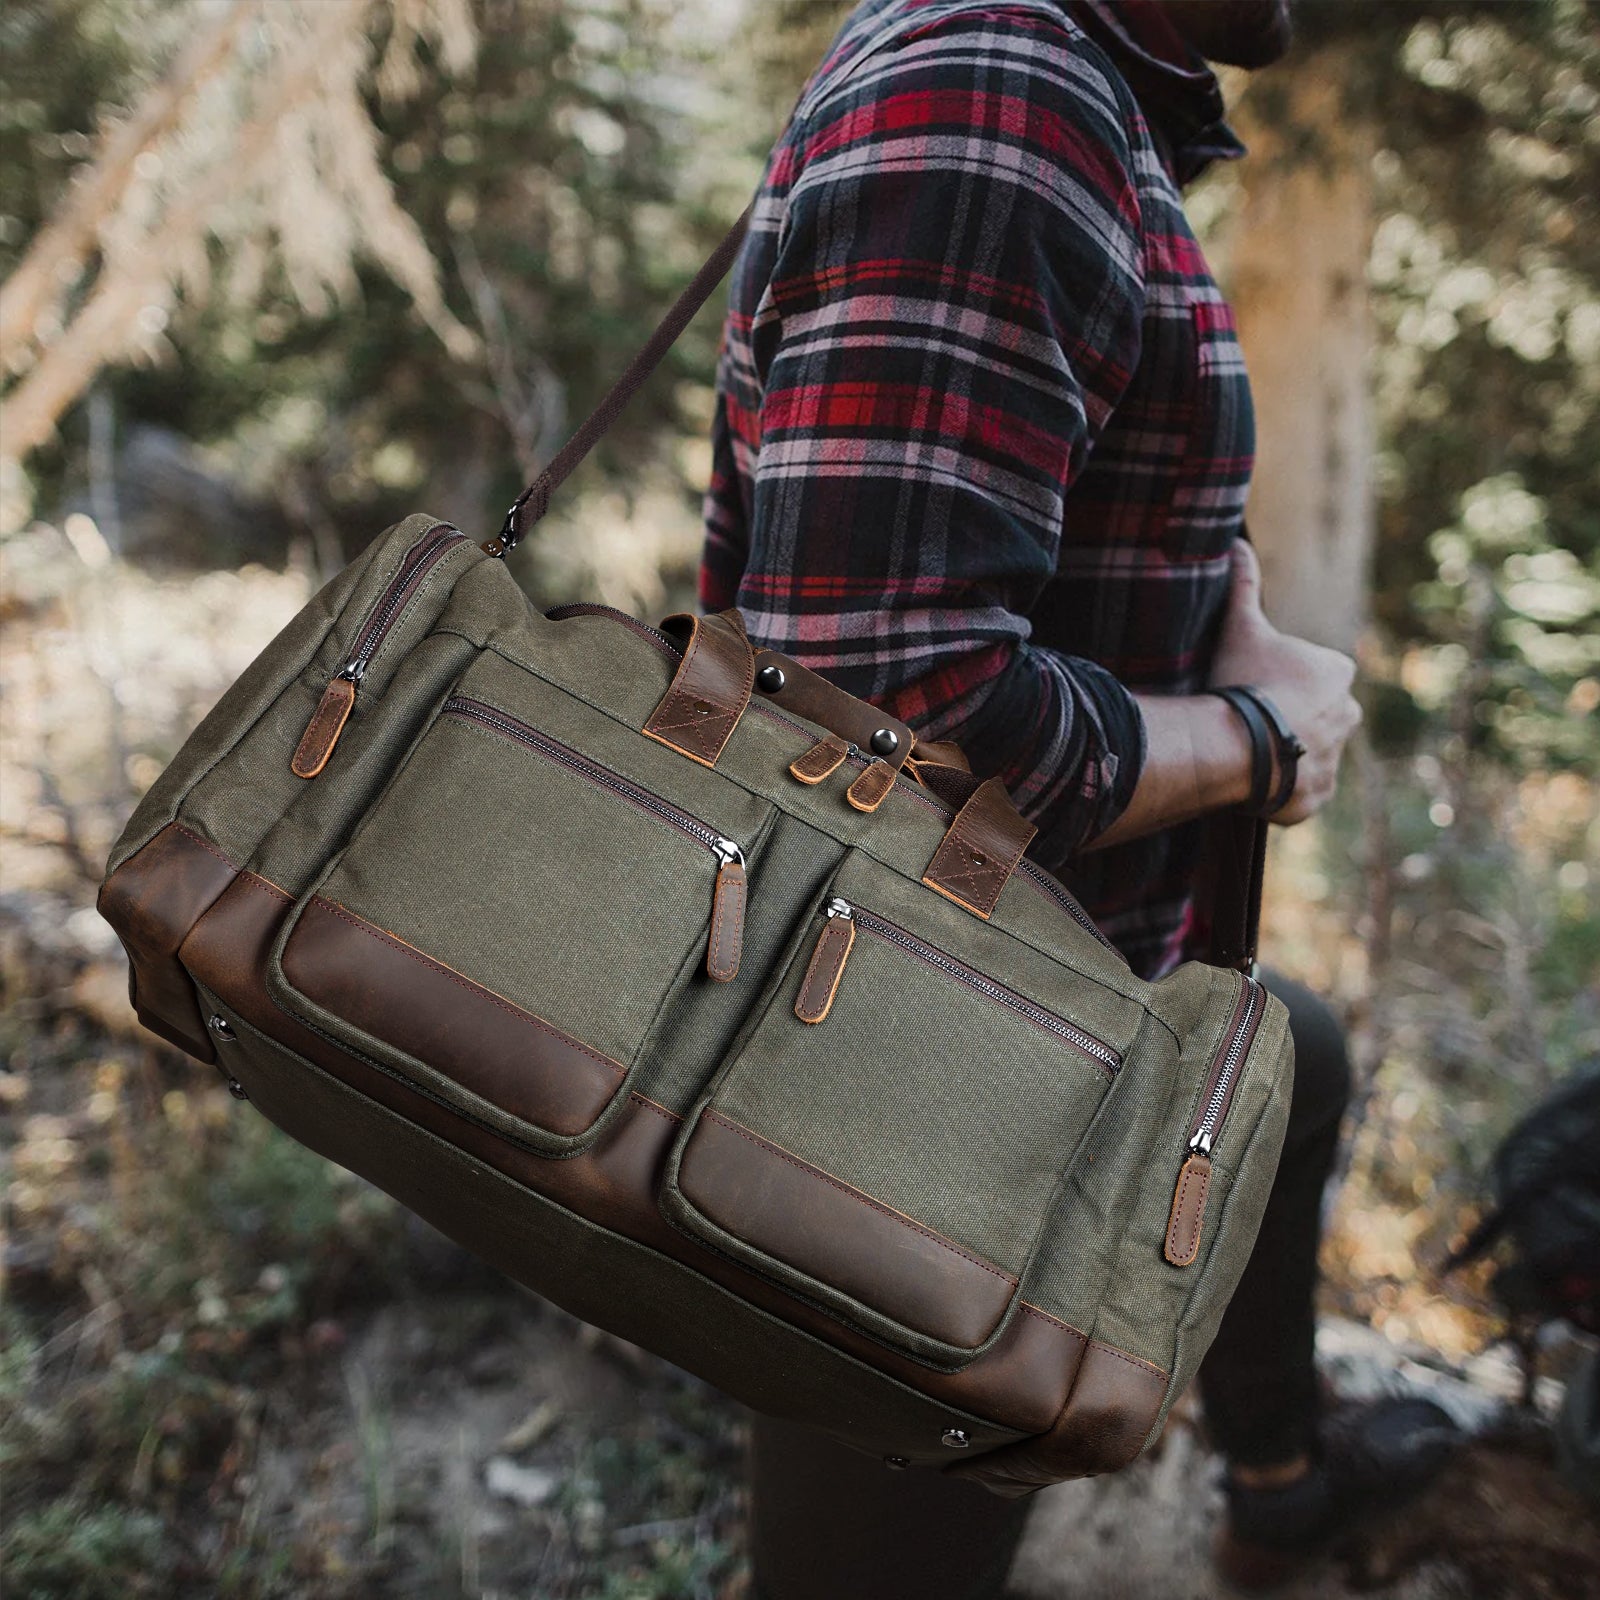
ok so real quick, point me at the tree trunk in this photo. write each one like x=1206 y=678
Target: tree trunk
x=1298 y=261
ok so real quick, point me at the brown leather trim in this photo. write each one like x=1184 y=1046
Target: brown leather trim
x=805 y=694
x=1103 y=1426
x=821 y=761
x=1188 y=1210
x=1020 y=1382
x=153 y=899
x=725 y=944
x=786 y=1208
x=323 y=730
x=710 y=689
x=976 y=856
x=825 y=969
x=389 y=989
x=874 y=785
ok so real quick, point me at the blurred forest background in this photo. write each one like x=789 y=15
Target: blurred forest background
x=276 y=272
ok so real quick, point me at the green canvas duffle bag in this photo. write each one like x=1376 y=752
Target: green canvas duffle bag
x=692 y=993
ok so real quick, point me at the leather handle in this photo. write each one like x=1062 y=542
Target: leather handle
x=1236 y=853
x=980 y=849
x=710 y=689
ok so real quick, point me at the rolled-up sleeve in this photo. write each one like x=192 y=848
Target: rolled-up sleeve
x=954 y=310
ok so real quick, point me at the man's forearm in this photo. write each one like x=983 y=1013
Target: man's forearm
x=1197 y=760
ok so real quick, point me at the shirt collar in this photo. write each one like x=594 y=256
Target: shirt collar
x=1178 y=93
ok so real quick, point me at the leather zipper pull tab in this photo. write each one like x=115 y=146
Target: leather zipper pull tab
x=725 y=946
x=326 y=724
x=826 y=966
x=1188 y=1210
x=821 y=761
x=873 y=787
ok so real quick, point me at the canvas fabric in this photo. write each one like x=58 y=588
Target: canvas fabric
x=536 y=885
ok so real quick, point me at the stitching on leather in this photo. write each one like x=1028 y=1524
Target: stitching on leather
x=1133 y=1361
x=872 y=787
x=1174 y=1254
x=855 y=1194
x=650 y=1105
x=727 y=910
x=1044 y=1316
x=255 y=881
x=194 y=838
x=317 y=734
x=1182 y=1257
x=676 y=715
x=831 y=981
x=472 y=988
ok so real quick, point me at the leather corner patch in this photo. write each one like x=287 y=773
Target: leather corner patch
x=711 y=688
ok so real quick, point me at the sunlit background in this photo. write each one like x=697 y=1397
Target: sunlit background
x=277 y=272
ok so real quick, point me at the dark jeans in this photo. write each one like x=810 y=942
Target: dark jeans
x=827 y=1521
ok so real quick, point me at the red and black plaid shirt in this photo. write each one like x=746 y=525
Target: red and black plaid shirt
x=983 y=433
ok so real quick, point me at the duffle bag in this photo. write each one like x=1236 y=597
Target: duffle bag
x=691 y=992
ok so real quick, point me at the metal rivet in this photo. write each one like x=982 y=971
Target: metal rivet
x=896 y=1463
x=955 y=1439
x=977 y=860
x=237 y=1089
x=702 y=708
x=770 y=679
x=222 y=1028
x=885 y=742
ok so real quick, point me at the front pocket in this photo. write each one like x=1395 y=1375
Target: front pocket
x=890 y=1133
x=514 y=914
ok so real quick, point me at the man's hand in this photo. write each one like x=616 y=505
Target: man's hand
x=1309 y=684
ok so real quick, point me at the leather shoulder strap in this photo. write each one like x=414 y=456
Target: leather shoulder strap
x=532 y=503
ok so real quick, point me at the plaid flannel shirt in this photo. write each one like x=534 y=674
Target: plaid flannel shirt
x=983 y=434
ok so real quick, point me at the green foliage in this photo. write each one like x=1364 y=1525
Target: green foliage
x=73 y=1551
x=1486 y=271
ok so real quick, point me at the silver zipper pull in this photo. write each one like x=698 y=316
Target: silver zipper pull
x=727 y=852
x=838 y=908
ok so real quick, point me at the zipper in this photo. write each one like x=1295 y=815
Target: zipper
x=1194 y=1175
x=1068 y=903
x=339 y=697
x=1102 y=1055
x=589 y=608
x=1230 y=1056
x=725 y=942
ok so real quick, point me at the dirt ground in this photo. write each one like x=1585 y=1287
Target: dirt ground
x=501 y=1450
